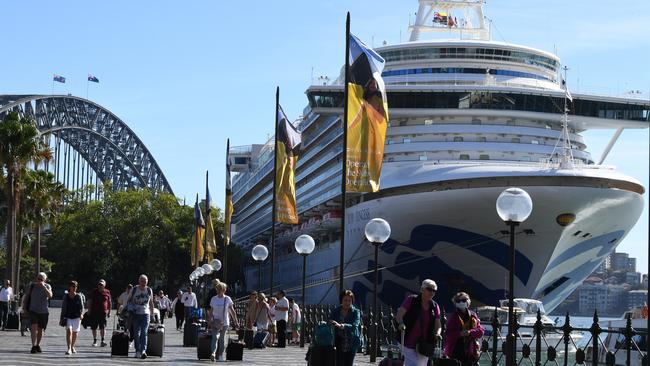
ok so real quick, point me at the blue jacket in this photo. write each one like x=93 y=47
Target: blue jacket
x=351 y=324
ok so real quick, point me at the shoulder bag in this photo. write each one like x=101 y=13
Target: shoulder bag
x=426 y=347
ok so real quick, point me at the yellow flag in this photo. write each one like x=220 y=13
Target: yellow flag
x=287 y=147
x=367 y=118
x=229 y=207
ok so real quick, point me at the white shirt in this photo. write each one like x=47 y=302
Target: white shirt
x=272 y=314
x=6 y=294
x=279 y=314
x=296 y=313
x=189 y=299
x=220 y=307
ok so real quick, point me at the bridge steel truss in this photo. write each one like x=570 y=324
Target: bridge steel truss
x=89 y=137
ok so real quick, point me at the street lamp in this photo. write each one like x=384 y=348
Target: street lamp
x=377 y=232
x=259 y=254
x=304 y=246
x=513 y=206
x=216 y=265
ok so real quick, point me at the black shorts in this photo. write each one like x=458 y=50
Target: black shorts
x=39 y=319
x=97 y=321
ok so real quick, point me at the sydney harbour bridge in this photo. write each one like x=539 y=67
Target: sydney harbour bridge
x=91 y=145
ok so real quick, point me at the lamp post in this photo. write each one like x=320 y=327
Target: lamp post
x=259 y=254
x=377 y=232
x=513 y=206
x=304 y=246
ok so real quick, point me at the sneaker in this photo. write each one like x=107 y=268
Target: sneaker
x=68 y=352
x=144 y=355
x=38 y=349
x=74 y=350
x=33 y=350
x=94 y=344
x=104 y=344
x=212 y=358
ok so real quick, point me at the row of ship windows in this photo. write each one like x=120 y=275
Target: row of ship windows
x=463 y=70
x=466 y=156
x=470 y=53
x=515 y=140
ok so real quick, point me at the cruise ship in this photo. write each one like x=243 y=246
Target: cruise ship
x=469 y=117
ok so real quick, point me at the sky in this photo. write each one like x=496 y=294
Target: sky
x=185 y=76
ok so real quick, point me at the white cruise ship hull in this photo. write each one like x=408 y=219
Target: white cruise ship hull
x=448 y=230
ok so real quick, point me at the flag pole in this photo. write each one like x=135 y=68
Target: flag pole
x=52 y=84
x=225 y=245
x=275 y=172
x=344 y=152
x=205 y=237
x=87 y=84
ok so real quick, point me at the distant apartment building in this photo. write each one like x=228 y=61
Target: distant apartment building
x=637 y=298
x=619 y=261
x=607 y=299
x=633 y=278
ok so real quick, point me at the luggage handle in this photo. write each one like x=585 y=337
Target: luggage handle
x=401 y=346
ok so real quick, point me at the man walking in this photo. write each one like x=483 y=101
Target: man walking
x=6 y=295
x=189 y=301
x=35 y=301
x=165 y=305
x=281 y=317
x=100 y=309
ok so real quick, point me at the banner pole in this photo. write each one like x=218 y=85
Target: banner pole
x=344 y=152
x=275 y=170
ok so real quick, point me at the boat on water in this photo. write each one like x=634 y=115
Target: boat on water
x=469 y=117
x=614 y=347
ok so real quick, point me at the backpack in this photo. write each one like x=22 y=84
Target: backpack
x=323 y=335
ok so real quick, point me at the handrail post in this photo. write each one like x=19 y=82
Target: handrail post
x=566 y=328
x=495 y=336
x=628 y=339
x=595 y=332
x=538 y=339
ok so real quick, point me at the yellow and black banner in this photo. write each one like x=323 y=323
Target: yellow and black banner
x=287 y=148
x=210 y=240
x=229 y=207
x=367 y=118
x=197 y=251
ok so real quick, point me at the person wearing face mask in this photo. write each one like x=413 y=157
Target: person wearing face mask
x=419 y=318
x=464 y=332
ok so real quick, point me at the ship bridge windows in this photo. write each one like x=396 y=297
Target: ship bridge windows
x=464 y=70
x=484 y=157
x=458 y=139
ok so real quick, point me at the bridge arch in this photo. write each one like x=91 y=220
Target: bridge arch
x=91 y=144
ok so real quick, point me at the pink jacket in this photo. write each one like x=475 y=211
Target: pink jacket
x=454 y=328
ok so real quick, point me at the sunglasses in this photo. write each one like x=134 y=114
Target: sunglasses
x=430 y=289
x=462 y=300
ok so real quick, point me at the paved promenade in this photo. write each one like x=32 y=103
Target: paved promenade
x=14 y=350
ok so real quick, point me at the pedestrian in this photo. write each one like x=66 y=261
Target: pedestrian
x=251 y=310
x=221 y=310
x=346 y=319
x=464 y=332
x=72 y=310
x=165 y=305
x=272 y=324
x=6 y=295
x=179 y=310
x=189 y=301
x=419 y=318
x=122 y=299
x=36 y=302
x=142 y=299
x=99 y=305
x=263 y=318
x=211 y=293
x=294 y=317
x=281 y=318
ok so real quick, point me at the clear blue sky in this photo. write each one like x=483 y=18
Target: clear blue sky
x=187 y=75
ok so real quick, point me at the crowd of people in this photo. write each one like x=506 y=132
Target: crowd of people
x=418 y=319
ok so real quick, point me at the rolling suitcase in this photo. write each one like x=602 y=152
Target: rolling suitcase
x=248 y=338
x=203 y=350
x=13 y=321
x=120 y=343
x=156 y=340
x=260 y=339
x=235 y=351
x=190 y=332
x=321 y=356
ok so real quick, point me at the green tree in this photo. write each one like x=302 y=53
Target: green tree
x=19 y=145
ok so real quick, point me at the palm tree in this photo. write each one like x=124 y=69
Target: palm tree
x=19 y=145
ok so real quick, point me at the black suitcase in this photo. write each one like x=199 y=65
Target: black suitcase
x=322 y=356
x=260 y=339
x=156 y=340
x=249 y=335
x=13 y=321
x=190 y=333
x=203 y=349
x=120 y=344
x=235 y=351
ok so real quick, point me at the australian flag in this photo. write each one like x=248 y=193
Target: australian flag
x=59 y=78
x=93 y=78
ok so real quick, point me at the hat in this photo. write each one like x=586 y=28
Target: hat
x=102 y=282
